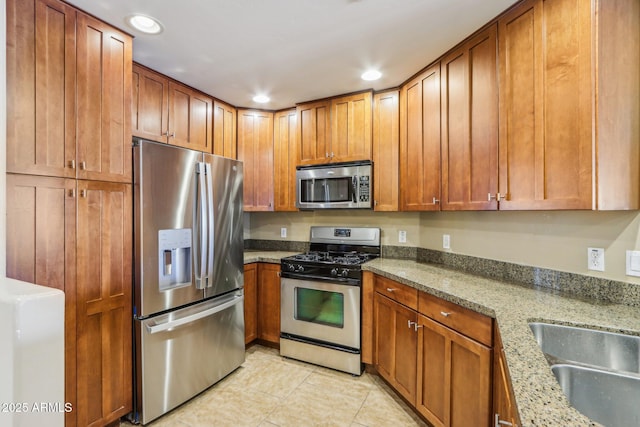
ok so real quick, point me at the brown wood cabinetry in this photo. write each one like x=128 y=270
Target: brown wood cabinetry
x=434 y=353
x=569 y=111
x=420 y=142
x=269 y=303
x=386 y=148
x=41 y=249
x=250 y=303
x=103 y=302
x=470 y=124
x=150 y=104
x=167 y=111
x=351 y=127
x=224 y=129
x=314 y=131
x=255 y=149
x=68 y=93
x=504 y=404
x=285 y=159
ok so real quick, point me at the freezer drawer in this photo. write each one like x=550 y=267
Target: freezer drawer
x=183 y=352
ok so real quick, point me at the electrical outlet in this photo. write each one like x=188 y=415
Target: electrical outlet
x=595 y=259
x=283 y=232
x=402 y=236
x=446 y=241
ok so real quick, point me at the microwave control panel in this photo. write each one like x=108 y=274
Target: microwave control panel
x=364 y=187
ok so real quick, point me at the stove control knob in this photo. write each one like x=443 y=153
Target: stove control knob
x=300 y=269
x=334 y=272
x=291 y=267
x=344 y=273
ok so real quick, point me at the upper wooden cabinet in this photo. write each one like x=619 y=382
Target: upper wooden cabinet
x=335 y=130
x=255 y=149
x=285 y=159
x=150 y=106
x=224 y=130
x=68 y=93
x=167 y=111
x=469 y=141
x=386 y=148
x=314 y=131
x=351 y=127
x=420 y=142
x=569 y=110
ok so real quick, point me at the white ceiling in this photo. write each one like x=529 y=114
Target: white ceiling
x=294 y=50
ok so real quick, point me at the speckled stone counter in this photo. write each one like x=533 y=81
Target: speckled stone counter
x=538 y=395
x=539 y=398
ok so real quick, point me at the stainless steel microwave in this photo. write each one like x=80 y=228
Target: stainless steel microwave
x=335 y=186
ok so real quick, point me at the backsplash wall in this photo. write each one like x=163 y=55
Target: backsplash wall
x=555 y=240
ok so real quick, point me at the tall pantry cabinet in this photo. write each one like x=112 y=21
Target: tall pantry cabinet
x=69 y=190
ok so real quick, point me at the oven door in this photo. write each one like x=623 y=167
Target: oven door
x=321 y=311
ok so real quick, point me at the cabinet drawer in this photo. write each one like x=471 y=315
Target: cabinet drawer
x=465 y=321
x=397 y=291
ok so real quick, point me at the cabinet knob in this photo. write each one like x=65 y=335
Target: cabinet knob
x=390 y=290
x=498 y=197
x=83 y=165
x=499 y=422
x=445 y=314
x=72 y=164
x=436 y=201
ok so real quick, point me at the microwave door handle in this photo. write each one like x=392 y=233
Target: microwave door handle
x=201 y=228
x=327 y=196
x=354 y=183
x=210 y=227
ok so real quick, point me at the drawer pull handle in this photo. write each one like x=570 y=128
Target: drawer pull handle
x=390 y=290
x=445 y=314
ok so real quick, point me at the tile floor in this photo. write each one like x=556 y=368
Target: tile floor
x=269 y=390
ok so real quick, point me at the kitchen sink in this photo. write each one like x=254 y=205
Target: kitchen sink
x=607 y=397
x=597 y=348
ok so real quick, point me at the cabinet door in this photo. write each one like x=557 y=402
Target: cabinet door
x=255 y=149
x=104 y=101
x=269 y=303
x=420 y=142
x=250 y=303
x=314 y=132
x=41 y=243
x=395 y=345
x=285 y=159
x=41 y=87
x=351 y=128
x=224 y=130
x=454 y=382
x=150 y=104
x=386 y=148
x=103 y=301
x=470 y=125
x=545 y=50
x=190 y=118
x=504 y=407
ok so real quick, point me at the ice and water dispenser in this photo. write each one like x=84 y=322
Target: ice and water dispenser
x=174 y=258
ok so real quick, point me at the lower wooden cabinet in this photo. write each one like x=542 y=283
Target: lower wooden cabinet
x=77 y=236
x=396 y=345
x=250 y=303
x=504 y=404
x=443 y=372
x=269 y=303
x=454 y=377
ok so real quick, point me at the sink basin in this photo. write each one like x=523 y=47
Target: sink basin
x=598 y=348
x=609 y=398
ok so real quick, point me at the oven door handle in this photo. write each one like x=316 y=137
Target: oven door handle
x=312 y=277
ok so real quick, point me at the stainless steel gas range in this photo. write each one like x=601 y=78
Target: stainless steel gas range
x=321 y=291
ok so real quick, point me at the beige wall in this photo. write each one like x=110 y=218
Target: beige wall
x=555 y=240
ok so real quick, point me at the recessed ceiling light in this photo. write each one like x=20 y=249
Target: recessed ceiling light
x=371 y=75
x=145 y=24
x=261 y=99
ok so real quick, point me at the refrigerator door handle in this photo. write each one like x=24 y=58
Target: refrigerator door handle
x=201 y=228
x=193 y=317
x=210 y=226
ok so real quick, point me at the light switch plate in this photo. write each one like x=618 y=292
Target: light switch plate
x=402 y=236
x=633 y=263
x=283 y=232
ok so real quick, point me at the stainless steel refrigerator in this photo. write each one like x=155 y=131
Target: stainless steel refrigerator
x=188 y=293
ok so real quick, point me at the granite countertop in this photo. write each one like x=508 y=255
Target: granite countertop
x=538 y=395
